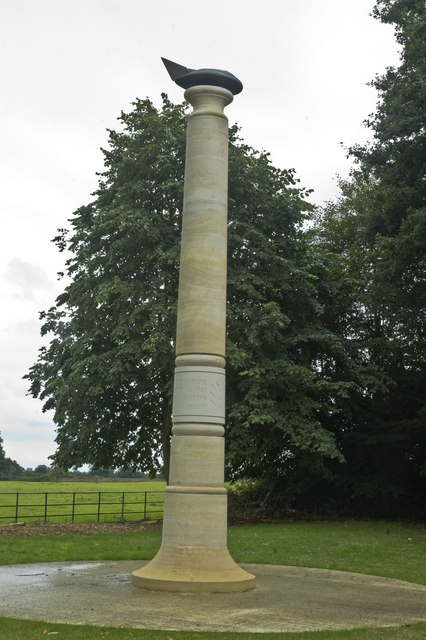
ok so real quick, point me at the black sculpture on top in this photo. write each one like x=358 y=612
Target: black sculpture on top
x=186 y=78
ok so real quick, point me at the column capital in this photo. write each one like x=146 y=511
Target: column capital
x=208 y=100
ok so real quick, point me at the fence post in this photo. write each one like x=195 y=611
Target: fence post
x=99 y=506
x=16 y=507
x=45 y=507
x=122 y=506
x=144 y=508
x=73 y=507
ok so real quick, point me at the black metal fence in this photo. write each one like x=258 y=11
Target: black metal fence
x=81 y=506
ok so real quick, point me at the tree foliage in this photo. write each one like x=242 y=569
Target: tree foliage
x=395 y=162
x=373 y=241
x=276 y=336
x=107 y=372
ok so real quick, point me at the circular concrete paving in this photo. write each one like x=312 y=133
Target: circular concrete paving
x=285 y=599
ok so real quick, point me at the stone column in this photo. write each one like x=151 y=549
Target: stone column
x=194 y=554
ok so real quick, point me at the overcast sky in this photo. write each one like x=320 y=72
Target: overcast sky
x=67 y=69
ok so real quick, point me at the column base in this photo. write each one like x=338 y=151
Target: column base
x=201 y=569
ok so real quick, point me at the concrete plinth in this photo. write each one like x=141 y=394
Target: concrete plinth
x=194 y=554
x=287 y=599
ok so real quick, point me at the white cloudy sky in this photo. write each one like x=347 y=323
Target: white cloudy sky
x=67 y=69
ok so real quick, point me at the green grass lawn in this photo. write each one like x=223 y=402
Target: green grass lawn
x=27 y=630
x=389 y=549
x=80 y=501
x=393 y=550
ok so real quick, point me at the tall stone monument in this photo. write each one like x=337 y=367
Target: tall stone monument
x=194 y=555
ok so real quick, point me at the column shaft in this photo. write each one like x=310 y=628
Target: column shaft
x=194 y=553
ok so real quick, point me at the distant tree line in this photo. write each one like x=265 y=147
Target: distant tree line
x=326 y=367
x=8 y=468
x=11 y=470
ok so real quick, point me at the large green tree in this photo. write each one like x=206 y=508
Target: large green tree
x=394 y=163
x=107 y=372
x=372 y=242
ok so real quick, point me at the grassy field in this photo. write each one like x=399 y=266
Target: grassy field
x=395 y=550
x=80 y=501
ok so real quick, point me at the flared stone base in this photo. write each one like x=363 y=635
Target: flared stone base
x=201 y=569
